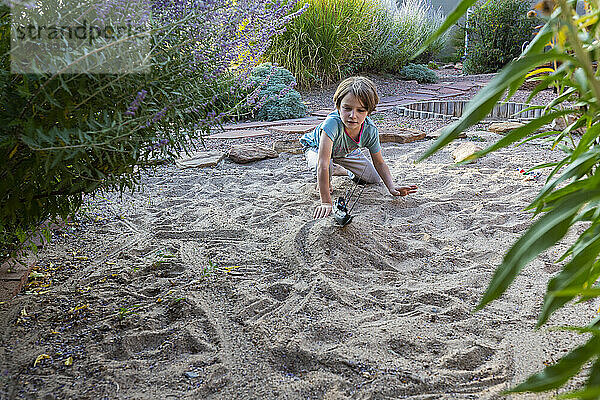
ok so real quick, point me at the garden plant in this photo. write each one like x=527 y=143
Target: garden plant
x=497 y=30
x=273 y=94
x=69 y=132
x=336 y=38
x=418 y=72
x=571 y=194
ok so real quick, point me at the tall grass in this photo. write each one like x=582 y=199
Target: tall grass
x=399 y=33
x=318 y=46
x=336 y=38
x=417 y=21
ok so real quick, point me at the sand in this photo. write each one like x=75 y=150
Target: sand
x=216 y=283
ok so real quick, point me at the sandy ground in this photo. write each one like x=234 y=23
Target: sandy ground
x=216 y=283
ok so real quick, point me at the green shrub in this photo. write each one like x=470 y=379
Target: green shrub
x=457 y=42
x=418 y=72
x=496 y=32
x=269 y=73
x=433 y=65
x=274 y=95
x=282 y=103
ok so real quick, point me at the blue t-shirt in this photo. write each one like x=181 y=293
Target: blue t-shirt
x=342 y=143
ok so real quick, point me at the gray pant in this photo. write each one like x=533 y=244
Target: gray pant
x=355 y=162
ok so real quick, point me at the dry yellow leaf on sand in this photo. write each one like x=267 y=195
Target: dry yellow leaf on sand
x=69 y=361
x=79 y=308
x=40 y=358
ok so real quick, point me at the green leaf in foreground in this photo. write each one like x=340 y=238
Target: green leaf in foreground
x=558 y=374
x=575 y=275
x=483 y=103
x=545 y=232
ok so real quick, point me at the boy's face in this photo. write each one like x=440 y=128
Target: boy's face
x=352 y=112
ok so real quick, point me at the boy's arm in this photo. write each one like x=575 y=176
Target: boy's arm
x=384 y=173
x=325 y=148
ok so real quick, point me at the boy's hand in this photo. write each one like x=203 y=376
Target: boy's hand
x=403 y=190
x=322 y=210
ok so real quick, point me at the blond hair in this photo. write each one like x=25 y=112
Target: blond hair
x=360 y=87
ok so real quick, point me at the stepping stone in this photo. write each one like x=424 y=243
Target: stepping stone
x=385 y=107
x=464 y=151
x=437 y=133
x=420 y=97
x=403 y=102
x=448 y=96
x=245 y=125
x=463 y=86
x=425 y=91
x=391 y=99
x=292 y=146
x=450 y=91
x=322 y=113
x=240 y=133
x=432 y=86
x=293 y=128
x=246 y=153
x=504 y=127
x=400 y=136
x=201 y=159
x=262 y=124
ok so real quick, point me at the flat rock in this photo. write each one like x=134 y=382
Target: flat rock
x=464 y=151
x=504 y=127
x=436 y=134
x=201 y=159
x=559 y=124
x=478 y=135
x=420 y=97
x=246 y=153
x=239 y=134
x=263 y=124
x=390 y=99
x=323 y=112
x=298 y=129
x=450 y=91
x=462 y=86
x=425 y=91
x=401 y=136
x=292 y=146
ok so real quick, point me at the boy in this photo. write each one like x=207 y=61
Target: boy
x=340 y=138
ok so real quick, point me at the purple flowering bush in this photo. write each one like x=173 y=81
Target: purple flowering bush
x=67 y=134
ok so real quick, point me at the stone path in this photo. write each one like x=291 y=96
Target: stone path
x=425 y=92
